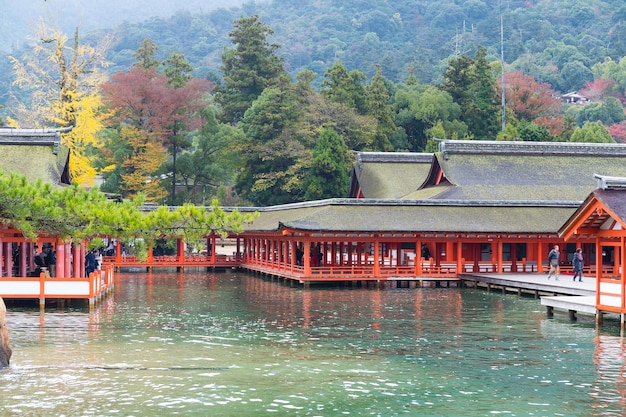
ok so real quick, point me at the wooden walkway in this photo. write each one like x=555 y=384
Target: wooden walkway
x=92 y=289
x=564 y=294
x=535 y=283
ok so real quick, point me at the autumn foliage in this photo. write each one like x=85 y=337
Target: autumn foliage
x=533 y=101
x=149 y=113
x=618 y=132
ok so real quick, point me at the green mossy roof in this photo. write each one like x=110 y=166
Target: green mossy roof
x=510 y=177
x=384 y=180
x=34 y=162
x=391 y=174
x=399 y=216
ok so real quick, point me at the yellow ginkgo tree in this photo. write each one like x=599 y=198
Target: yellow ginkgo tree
x=59 y=83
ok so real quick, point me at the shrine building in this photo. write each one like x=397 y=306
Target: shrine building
x=474 y=206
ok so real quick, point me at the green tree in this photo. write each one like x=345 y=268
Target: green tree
x=574 y=76
x=75 y=213
x=347 y=88
x=457 y=79
x=357 y=130
x=177 y=70
x=531 y=132
x=208 y=166
x=510 y=133
x=472 y=85
x=382 y=111
x=592 y=132
x=482 y=113
x=248 y=68
x=609 y=111
x=569 y=124
x=611 y=70
x=270 y=149
x=328 y=176
x=420 y=108
x=145 y=54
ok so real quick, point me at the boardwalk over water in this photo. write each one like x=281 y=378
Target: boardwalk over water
x=564 y=294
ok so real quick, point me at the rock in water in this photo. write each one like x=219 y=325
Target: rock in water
x=5 y=345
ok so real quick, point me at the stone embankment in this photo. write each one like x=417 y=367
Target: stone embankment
x=5 y=345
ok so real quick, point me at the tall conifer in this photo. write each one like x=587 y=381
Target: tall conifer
x=248 y=68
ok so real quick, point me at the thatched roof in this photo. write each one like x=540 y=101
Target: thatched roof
x=34 y=153
x=389 y=174
x=424 y=216
x=489 y=170
x=467 y=187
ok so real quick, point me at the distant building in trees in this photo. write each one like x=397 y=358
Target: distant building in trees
x=574 y=98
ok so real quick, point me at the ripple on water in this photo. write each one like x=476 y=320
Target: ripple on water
x=244 y=346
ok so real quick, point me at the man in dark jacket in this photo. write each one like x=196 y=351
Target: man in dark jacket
x=90 y=263
x=553 y=261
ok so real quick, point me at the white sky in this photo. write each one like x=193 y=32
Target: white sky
x=18 y=17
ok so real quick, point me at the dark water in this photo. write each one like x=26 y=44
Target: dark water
x=231 y=344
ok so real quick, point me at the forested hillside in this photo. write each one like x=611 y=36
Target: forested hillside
x=264 y=104
x=556 y=41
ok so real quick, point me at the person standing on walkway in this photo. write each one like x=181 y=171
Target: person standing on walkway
x=51 y=261
x=578 y=263
x=90 y=263
x=553 y=260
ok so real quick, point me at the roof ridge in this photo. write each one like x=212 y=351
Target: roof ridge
x=449 y=147
x=606 y=182
x=401 y=202
x=394 y=157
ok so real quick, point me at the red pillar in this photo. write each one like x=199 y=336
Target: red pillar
x=281 y=254
x=306 y=260
x=60 y=268
x=540 y=257
x=83 y=253
x=8 y=258
x=68 y=260
x=499 y=256
x=118 y=253
x=76 y=257
x=376 y=258
x=622 y=270
x=292 y=245
x=180 y=251
x=418 y=257
x=460 y=267
x=493 y=254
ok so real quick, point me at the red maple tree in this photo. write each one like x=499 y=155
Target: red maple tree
x=533 y=101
